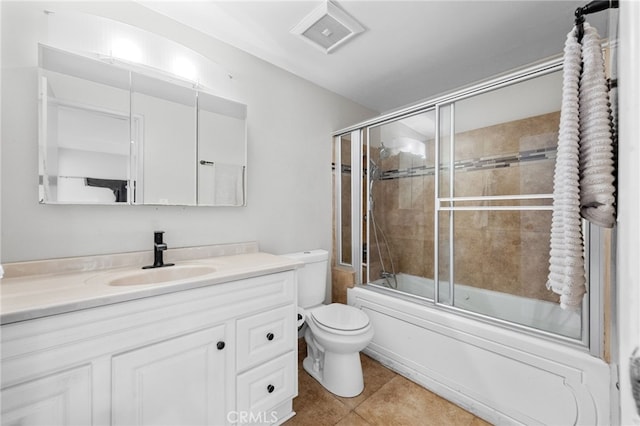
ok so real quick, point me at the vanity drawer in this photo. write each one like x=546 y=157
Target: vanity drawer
x=263 y=336
x=265 y=387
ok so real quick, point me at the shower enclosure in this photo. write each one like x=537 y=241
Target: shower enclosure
x=449 y=204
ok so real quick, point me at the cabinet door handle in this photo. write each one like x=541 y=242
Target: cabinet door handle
x=270 y=336
x=270 y=388
x=220 y=345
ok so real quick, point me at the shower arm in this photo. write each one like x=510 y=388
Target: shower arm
x=592 y=7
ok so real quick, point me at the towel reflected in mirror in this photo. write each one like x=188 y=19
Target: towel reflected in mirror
x=228 y=184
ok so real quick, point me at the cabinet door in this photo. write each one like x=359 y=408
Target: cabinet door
x=59 y=399
x=180 y=381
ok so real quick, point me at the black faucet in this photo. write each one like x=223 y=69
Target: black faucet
x=158 y=247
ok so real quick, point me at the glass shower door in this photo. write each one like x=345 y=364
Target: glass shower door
x=400 y=174
x=496 y=166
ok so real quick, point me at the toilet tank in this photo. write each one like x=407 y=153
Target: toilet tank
x=312 y=278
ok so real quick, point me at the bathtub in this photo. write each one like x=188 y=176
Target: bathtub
x=538 y=314
x=503 y=375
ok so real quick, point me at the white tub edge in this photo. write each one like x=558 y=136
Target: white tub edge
x=581 y=379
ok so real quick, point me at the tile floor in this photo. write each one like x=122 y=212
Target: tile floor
x=388 y=399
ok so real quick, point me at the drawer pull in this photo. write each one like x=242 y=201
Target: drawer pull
x=220 y=345
x=270 y=388
x=270 y=336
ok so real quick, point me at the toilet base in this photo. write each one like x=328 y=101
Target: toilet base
x=341 y=374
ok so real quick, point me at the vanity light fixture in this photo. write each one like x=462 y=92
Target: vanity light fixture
x=327 y=27
x=184 y=68
x=124 y=48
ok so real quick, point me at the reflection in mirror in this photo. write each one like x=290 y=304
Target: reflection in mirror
x=163 y=133
x=84 y=130
x=114 y=132
x=221 y=151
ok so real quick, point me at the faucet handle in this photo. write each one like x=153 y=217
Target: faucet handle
x=157 y=236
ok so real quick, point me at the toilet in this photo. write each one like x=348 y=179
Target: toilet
x=335 y=333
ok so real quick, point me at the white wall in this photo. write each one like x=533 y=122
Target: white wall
x=1 y=121
x=628 y=267
x=290 y=122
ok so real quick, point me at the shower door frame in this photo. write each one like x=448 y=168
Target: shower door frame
x=451 y=199
x=355 y=206
x=593 y=324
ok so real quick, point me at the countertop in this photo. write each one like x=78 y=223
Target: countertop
x=35 y=296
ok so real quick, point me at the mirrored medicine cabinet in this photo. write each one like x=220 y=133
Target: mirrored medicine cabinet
x=112 y=132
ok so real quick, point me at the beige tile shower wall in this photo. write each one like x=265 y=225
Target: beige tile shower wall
x=509 y=252
x=342 y=278
x=498 y=250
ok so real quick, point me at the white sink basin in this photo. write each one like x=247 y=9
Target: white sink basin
x=157 y=275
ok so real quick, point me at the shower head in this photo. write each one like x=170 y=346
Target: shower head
x=383 y=151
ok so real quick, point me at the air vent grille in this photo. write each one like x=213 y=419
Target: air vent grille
x=327 y=27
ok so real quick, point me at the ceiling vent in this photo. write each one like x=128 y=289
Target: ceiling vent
x=327 y=27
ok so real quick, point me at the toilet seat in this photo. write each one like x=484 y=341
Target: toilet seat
x=340 y=319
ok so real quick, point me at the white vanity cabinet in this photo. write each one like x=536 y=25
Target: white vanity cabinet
x=60 y=398
x=194 y=366
x=213 y=355
x=265 y=376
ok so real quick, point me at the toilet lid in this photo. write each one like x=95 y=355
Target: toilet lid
x=340 y=317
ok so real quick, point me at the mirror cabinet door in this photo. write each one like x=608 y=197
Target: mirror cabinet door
x=84 y=131
x=163 y=130
x=110 y=133
x=221 y=151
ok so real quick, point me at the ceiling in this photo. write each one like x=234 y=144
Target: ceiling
x=409 y=51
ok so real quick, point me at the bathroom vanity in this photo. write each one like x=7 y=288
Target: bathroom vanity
x=215 y=348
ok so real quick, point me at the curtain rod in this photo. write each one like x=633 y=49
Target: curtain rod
x=592 y=7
